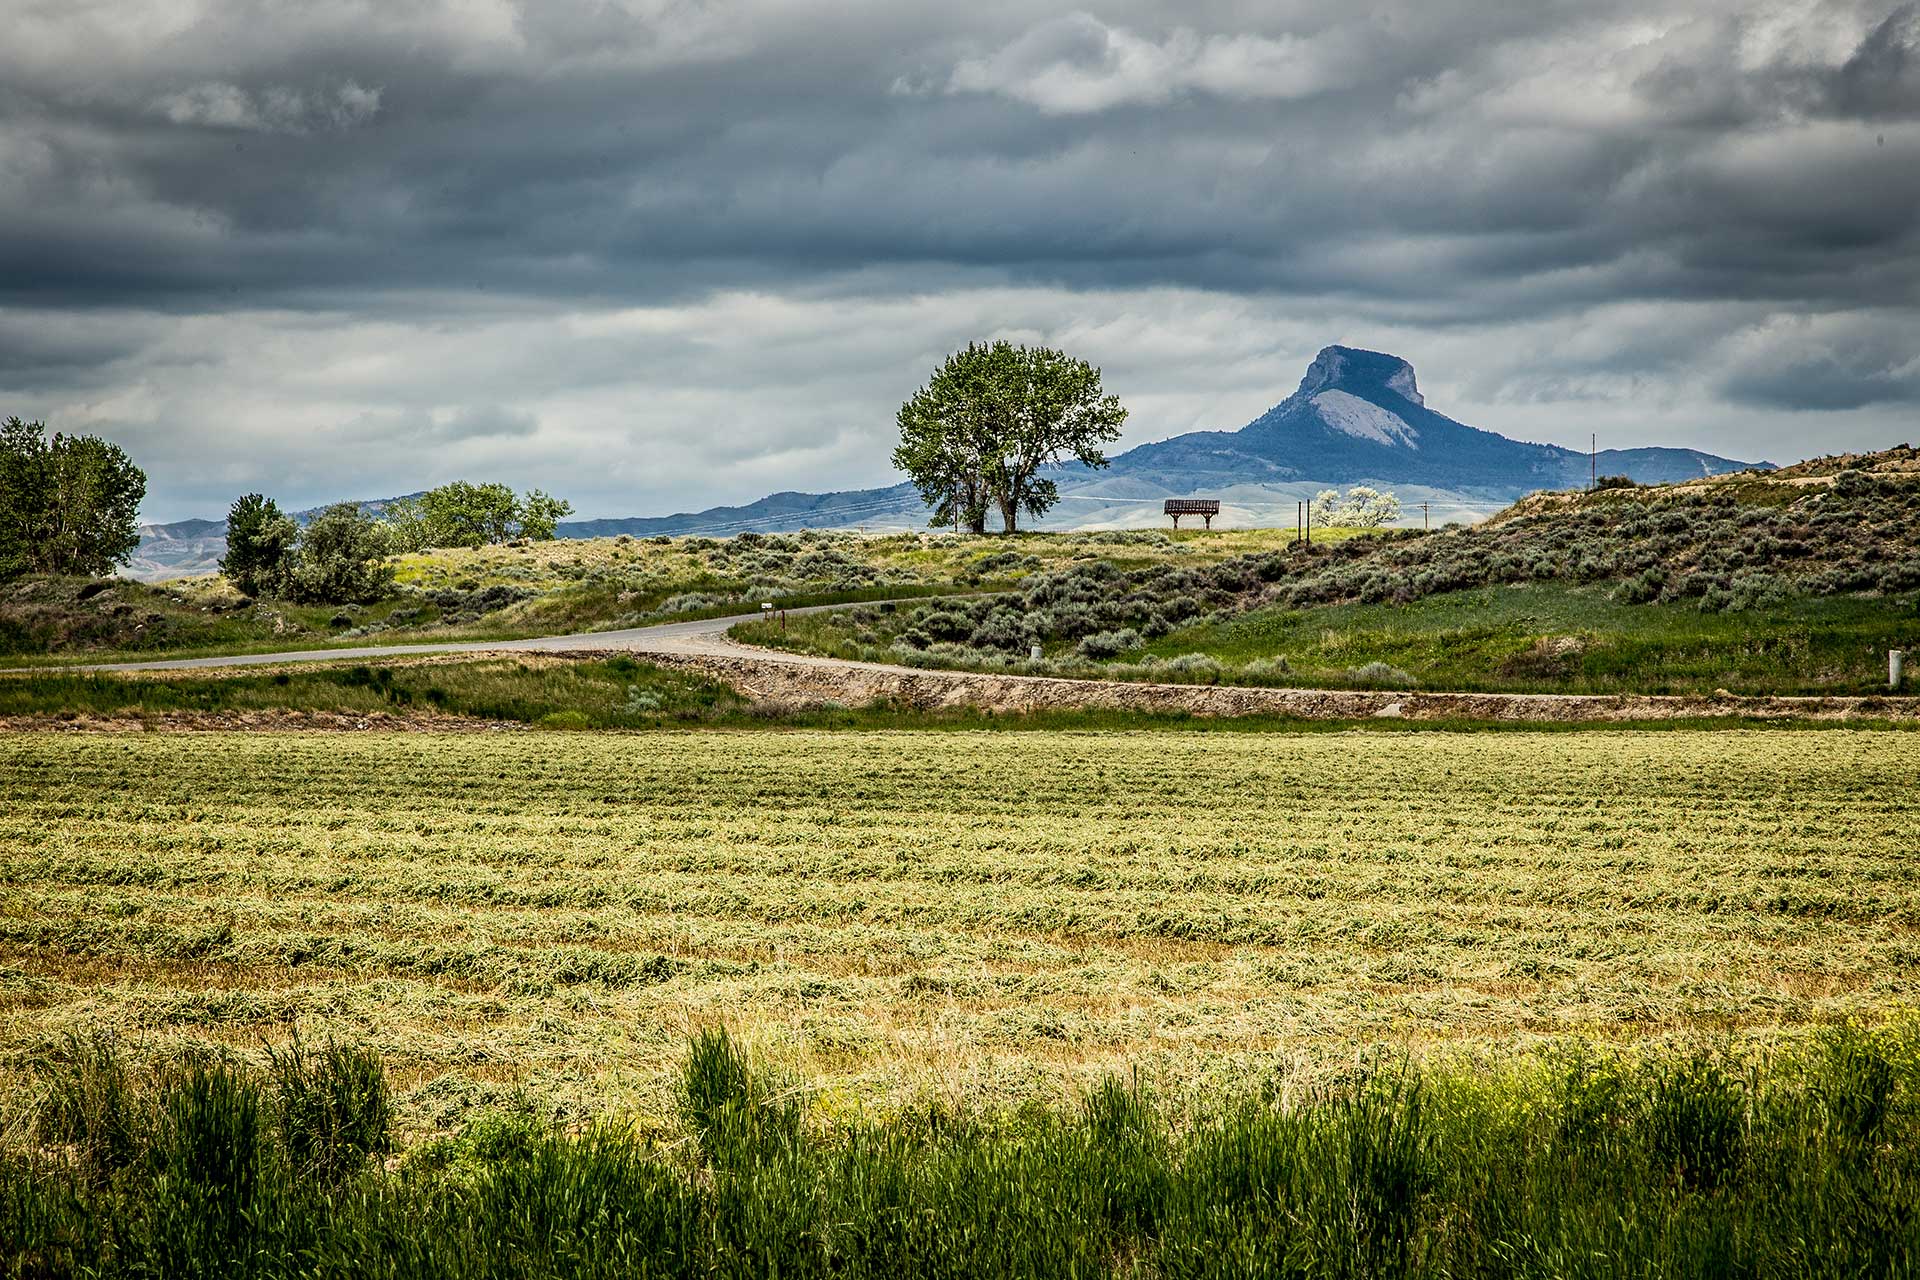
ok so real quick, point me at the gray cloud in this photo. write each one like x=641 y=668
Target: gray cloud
x=1828 y=363
x=274 y=109
x=1077 y=64
x=515 y=234
x=1882 y=77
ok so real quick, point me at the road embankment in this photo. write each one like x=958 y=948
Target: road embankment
x=783 y=678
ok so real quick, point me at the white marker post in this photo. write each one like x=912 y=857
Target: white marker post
x=1896 y=668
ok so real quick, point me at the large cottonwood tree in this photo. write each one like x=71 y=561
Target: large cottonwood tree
x=976 y=436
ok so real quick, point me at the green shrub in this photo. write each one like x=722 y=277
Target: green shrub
x=1107 y=644
x=1194 y=666
x=1380 y=675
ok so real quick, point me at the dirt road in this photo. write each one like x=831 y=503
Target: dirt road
x=666 y=637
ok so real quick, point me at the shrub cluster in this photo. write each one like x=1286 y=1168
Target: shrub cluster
x=1714 y=548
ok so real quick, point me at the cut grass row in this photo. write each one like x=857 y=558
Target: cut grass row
x=957 y=915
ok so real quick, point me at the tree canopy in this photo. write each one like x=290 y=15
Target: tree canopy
x=975 y=437
x=341 y=555
x=341 y=559
x=260 y=546
x=461 y=514
x=68 y=504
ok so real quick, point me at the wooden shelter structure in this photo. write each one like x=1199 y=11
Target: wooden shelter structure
x=1207 y=508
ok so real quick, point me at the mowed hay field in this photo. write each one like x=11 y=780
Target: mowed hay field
x=972 y=916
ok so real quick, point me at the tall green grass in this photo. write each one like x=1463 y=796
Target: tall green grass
x=1569 y=1165
x=611 y=693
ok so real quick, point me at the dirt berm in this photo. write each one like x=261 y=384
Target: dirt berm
x=853 y=684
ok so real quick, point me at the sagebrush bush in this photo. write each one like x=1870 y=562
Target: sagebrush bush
x=1381 y=675
x=1194 y=666
x=1107 y=644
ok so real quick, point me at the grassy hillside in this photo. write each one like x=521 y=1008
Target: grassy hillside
x=546 y=588
x=1797 y=583
x=1555 y=638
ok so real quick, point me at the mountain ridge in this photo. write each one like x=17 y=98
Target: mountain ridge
x=1358 y=416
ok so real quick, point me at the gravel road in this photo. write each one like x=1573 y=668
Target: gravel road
x=704 y=637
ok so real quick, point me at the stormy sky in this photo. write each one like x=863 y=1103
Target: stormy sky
x=658 y=254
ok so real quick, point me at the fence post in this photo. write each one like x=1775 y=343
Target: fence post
x=1896 y=668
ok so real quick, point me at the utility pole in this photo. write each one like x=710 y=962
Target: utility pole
x=1593 y=462
x=1426 y=522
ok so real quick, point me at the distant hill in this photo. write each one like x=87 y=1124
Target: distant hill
x=780 y=511
x=1357 y=417
x=190 y=548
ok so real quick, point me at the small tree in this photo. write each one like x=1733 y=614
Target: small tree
x=990 y=418
x=341 y=558
x=69 y=504
x=541 y=514
x=1362 y=508
x=260 y=546
x=405 y=525
x=469 y=515
x=472 y=515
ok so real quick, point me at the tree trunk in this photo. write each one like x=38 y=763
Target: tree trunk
x=975 y=506
x=1009 y=515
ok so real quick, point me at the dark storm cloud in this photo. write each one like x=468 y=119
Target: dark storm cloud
x=592 y=151
x=1882 y=77
x=290 y=180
